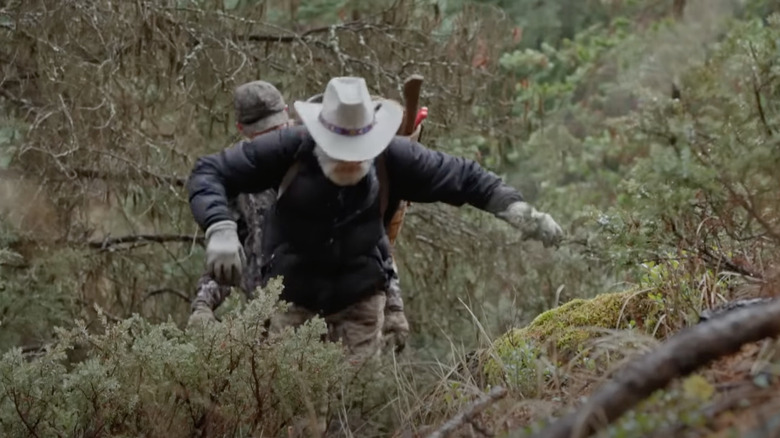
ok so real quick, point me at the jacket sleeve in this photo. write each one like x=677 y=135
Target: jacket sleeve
x=246 y=167
x=419 y=174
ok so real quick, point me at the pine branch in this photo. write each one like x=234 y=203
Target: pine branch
x=687 y=351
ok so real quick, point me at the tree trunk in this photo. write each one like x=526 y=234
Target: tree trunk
x=678 y=8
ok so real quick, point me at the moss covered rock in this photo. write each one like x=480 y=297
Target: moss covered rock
x=518 y=357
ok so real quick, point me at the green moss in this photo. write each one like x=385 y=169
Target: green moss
x=572 y=323
x=566 y=330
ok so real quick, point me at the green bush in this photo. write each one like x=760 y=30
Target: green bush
x=139 y=378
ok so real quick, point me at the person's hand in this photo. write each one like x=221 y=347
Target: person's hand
x=225 y=256
x=533 y=224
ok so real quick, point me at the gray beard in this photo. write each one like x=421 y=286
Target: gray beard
x=329 y=167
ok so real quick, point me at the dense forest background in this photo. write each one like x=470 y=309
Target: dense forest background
x=648 y=129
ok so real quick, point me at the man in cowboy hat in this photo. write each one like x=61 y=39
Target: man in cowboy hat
x=259 y=108
x=325 y=234
x=396 y=327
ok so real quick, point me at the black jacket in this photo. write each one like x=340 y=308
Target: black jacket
x=329 y=242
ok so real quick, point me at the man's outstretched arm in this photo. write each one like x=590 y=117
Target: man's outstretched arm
x=423 y=175
x=246 y=167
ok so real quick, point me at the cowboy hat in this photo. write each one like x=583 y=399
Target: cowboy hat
x=348 y=125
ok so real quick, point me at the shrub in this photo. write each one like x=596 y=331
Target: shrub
x=139 y=378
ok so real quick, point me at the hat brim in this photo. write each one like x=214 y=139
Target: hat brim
x=357 y=148
x=269 y=122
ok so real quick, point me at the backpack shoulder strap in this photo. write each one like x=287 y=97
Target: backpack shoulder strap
x=381 y=169
x=384 y=188
x=288 y=177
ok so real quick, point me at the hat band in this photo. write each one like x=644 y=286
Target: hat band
x=350 y=132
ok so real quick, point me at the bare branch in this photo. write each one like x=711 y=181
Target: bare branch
x=353 y=26
x=136 y=238
x=471 y=411
x=14 y=265
x=109 y=243
x=720 y=259
x=167 y=290
x=757 y=94
x=109 y=176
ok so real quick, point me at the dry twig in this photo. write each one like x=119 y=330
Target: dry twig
x=472 y=410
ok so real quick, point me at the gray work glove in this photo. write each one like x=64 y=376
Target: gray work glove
x=532 y=224
x=225 y=258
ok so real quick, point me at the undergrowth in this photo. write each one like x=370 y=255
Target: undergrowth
x=651 y=138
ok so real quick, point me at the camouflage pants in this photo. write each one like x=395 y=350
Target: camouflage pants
x=210 y=293
x=358 y=327
x=396 y=327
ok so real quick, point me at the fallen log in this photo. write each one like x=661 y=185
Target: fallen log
x=683 y=353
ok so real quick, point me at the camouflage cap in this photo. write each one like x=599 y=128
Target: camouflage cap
x=260 y=104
